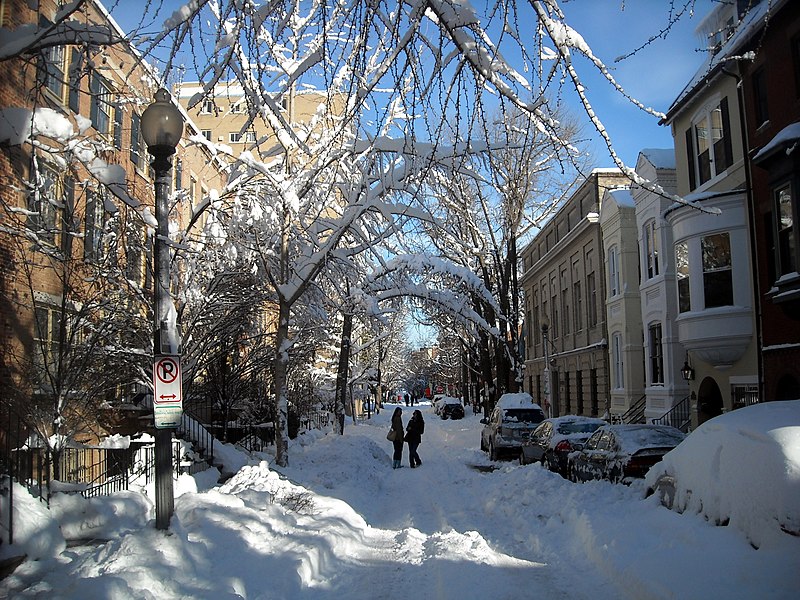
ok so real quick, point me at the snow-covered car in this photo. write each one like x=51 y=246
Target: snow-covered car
x=514 y=417
x=741 y=469
x=451 y=409
x=554 y=438
x=437 y=402
x=621 y=452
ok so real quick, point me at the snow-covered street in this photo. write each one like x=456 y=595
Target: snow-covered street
x=340 y=522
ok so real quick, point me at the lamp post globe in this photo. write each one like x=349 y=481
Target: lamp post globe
x=162 y=128
x=162 y=125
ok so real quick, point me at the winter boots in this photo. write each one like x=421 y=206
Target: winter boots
x=396 y=464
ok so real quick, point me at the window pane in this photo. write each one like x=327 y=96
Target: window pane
x=786 y=246
x=701 y=134
x=682 y=273
x=656 y=361
x=717 y=272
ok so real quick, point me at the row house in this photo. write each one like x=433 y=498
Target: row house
x=564 y=285
x=645 y=353
x=77 y=196
x=734 y=239
x=770 y=88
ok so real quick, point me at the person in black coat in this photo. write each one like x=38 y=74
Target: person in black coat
x=414 y=431
x=397 y=442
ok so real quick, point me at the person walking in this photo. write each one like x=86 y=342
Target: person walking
x=414 y=431
x=397 y=440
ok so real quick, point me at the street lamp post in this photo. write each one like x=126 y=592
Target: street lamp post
x=547 y=381
x=162 y=128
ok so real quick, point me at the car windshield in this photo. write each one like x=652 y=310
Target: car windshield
x=573 y=427
x=523 y=415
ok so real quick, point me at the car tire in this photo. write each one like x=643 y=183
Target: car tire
x=546 y=461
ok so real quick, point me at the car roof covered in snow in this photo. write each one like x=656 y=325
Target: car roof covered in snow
x=517 y=400
x=635 y=437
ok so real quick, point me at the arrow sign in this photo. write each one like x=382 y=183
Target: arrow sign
x=168 y=391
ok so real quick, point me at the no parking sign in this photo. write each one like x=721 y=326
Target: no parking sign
x=168 y=391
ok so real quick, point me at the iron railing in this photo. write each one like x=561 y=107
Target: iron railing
x=635 y=413
x=679 y=416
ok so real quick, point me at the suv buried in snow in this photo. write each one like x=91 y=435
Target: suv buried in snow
x=514 y=417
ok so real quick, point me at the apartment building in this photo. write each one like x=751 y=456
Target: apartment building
x=77 y=218
x=621 y=304
x=564 y=284
x=711 y=238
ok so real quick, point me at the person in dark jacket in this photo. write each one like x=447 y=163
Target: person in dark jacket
x=397 y=442
x=414 y=431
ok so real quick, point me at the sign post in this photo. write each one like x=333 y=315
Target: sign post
x=168 y=396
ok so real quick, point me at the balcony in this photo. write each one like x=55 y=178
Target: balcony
x=718 y=336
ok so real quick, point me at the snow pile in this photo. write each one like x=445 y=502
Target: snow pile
x=340 y=522
x=741 y=468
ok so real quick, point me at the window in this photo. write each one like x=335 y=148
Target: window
x=577 y=305
x=178 y=174
x=579 y=391
x=567 y=396
x=656 y=358
x=760 y=103
x=709 y=145
x=249 y=136
x=95 y=226
x=192 y=189
x=137 y=143
x=795 y=43
x=613 y=272
x=118 y=114
x=565 y=312
x=206 y=134
x=594 y=393
x=651 y=249
x=786 y=232
x=616 y=349
x=554 y=322
x=75 y=73
x=717 y=272
x=207 y=107
x=101 y=106
x=51 y=70
x=234 y=137
x=47 y=332
x=743 y=394
x=682 y=275
x=42 y=203
x=134 y=257
x=591 y=298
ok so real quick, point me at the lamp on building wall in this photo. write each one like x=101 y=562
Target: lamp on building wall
x=162 y=128
x=687 y=372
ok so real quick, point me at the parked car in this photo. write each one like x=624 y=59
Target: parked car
x=738 y=469
x=451 y=408
x=514 y=417
x=620 y=452
x=437 y=402
x=553 y=440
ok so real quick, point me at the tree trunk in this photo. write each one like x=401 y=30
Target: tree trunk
x=281 y=398
x=342 y=372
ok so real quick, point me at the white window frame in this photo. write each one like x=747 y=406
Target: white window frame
x=613 y=272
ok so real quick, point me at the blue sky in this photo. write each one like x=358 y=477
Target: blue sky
x=612 y=28
x=655 y=76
